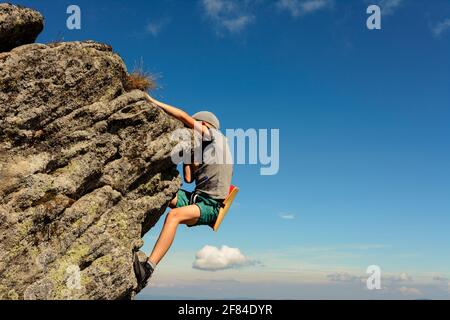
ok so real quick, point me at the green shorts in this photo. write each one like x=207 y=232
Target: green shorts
x=209 y=208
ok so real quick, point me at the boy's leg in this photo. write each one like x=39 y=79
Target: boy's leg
x=185 y=215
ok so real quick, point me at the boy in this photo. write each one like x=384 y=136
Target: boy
x=212 y=182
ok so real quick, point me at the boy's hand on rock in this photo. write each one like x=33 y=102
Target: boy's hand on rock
x=148 y=97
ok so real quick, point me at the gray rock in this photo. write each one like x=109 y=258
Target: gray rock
x=85 y=171
x=18 y=26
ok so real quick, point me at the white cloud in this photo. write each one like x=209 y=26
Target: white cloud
x=154 y=27
x=441 y=27
x=215 y=8
x=211 y=258
x=390 y=279
x=287 y=216
x=402 y=277
x=314 y=5
x=443 y=282
x=388 y=7
x=298 y=8
x=237 y=24
x=229 y=15
x=409 y=291
x=440 y=278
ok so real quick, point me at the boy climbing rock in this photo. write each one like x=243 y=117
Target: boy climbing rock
x=212 y=177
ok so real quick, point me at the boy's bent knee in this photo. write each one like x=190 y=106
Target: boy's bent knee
x=173 y=216
x=183 y=215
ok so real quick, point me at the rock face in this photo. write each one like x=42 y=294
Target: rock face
x=18 y=26
x=85 y=171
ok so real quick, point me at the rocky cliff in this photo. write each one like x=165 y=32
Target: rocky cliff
x=85 y=167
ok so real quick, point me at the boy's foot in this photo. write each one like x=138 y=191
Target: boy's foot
x=143 y=271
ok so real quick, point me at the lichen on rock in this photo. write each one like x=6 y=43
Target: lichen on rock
x=85 y=172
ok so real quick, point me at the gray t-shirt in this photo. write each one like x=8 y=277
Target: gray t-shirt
x=213 y=177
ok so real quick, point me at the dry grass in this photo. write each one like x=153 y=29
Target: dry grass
x=140 y=79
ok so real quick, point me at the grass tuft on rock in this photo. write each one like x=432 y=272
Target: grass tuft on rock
x=141 y=80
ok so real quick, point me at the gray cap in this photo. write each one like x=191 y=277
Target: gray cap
x=209 y=117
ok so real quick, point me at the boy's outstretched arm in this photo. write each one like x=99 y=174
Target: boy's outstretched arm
x=182 y=116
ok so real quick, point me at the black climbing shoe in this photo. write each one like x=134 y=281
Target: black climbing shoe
x=143 y=271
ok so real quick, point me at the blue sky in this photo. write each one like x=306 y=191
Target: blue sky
x=364 y=136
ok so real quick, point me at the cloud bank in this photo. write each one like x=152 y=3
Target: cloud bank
x=345 y=277
x=407 y=291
